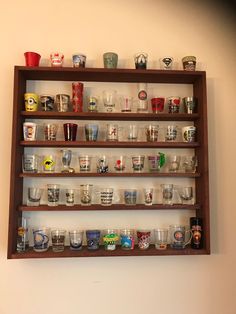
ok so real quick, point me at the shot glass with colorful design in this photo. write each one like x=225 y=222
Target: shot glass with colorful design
x=110 y=239
x=127 y=239
x=144 y=239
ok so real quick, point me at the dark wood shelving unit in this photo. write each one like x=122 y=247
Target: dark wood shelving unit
x=112 y=207
x=197 y=79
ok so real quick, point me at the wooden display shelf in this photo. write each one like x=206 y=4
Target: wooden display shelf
x=119 y=116
x=110 y=174
x=101 y=252
x=95 y=207
x=111 y=144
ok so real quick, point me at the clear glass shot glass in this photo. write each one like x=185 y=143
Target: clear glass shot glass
x=174 y=163
x=76 y=239
x=34 y=196
x=58 y=240
x=167 y=194
x=109 y=99
x=161 y=238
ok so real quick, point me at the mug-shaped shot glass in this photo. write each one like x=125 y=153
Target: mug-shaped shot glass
x=190 y=104
x=189 y=63
x=49 y=163
x=110 y=239
x=62 y=102
x=171 y=133
x=167 y=194
x=138 y=163
x=86 y=194
x=31 y=101
x=127 y=239
x=70 y=197
x=76 y=239
x=173 y=104
x=47 y=102
x=30 y=163
x=174 y=163
x=53 y=192
x=166 y=63
x=161 y=238
x=151 y=132
x=85 y=163
x=66 y=156
x=29 y=131
x=50 y=131
x=56 y=59
x=186 y=194
x=189 y=163
x=144 y=239
x=120 y=163
x=130 y=196
x=106 y=196
x=189 y=134
x=179 y=236
x=126 y=103
x=110 y=60
x=93 y=239
x=91 y=132
x=148 y=196
x=157 y=104
x=102 y=164
x=79 y=60
x=156 y=162
x=34 y=196
x=70 y=131
x=132 y=132
x=109 y=99
x=58 y=240
x=41 y=239
x=140 y=60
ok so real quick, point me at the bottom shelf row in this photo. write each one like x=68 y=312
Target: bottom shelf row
x=101 y=252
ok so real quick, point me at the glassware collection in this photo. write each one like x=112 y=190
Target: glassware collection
x=175 y=236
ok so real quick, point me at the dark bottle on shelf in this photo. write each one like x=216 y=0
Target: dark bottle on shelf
x=196 y=227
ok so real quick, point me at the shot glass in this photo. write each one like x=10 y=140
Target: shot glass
x=85 y=163
x=91 y=132
x=120 y=163
x=93 y=239
x=144 y=238
x=58 y=240
x=171 y=133
x=29 y=131
x=22 y=242
x=110 y=239
x=130 y=196
x=86 y=194
x=34 y=196
x=62 y=102
x=132 y=132
x=138 y=163
x=32 y=59
x=70 y=197
x=152 y=133
x=110 y=60
x=109 y=100
x=127 y=239
x=66 y=156
x=157 y=104
x=174 y=163
x=70 y=131
x=148 y=196
x=126 y=103
x=189 y=163
x=189 y=133
x=161 y=238
x=173 y=104
x=167 y=194
x=47 y=102
x=53 y=191
x=79 y=60
x=189 y=63
x=41 y=239
x=102 y=164
x=93 y=104
x=156 y=162
x=30 y=163
x=112 y=132
x=166 y=63
x=50 y=131
x=186 y=194
x=140 y=60
x=106 y=196
x=56 y=59
x=76 y=239
x=190 y=104
x=49 y=163
x=31 y=101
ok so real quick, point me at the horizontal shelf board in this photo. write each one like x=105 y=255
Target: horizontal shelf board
x=151 y=251
x=106 y=144
x=110 y=174
x=110 y=116
x=109 y=75
x=95 y=207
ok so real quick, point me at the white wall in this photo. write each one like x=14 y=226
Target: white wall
x=187 y=284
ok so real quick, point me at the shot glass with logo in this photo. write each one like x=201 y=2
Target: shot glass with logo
x=29 y=131
x=148 y=196
x=166 y=63
x=93 y=239
x=152 y=133
x=190 y=104
x=110 y=239
x=167 y=194
x=53 y=192
x=156 y=162
x=85 y=163
x=140 y=60
x=49 y=163
x=138 y=163
x=31 y=101
x=130 y=196
x=47 y=102
x=127 y=239
x=41 y=236
x=102 y=164
x=91 y=132
x=76 y=239
x=50 y=131
x=86 y=194
x=56 y=59
x=171 y=133
x=173 y=104
x=58 y=240
x=79 y=60
x=189 y=133
x=70 y=197
x=30 y=163
x=157 y=104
